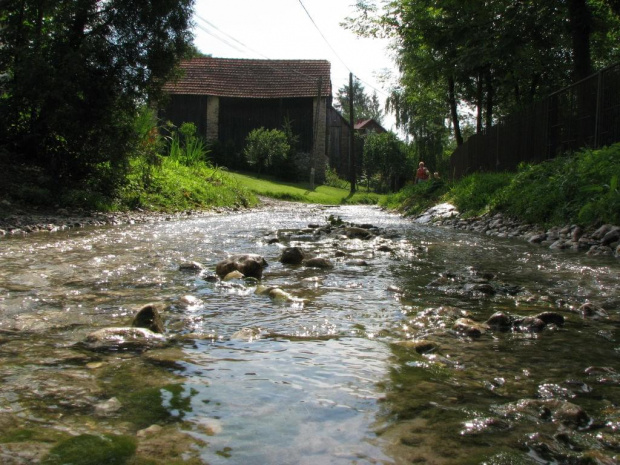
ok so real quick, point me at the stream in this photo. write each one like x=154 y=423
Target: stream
x=384 y=358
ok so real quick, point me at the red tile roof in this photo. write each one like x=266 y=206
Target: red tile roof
x=227 y=77
x=369 y=124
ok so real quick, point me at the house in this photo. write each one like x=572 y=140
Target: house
x=368 y=125
x=227 y=98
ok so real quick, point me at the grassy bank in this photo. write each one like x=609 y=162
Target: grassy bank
x=579 y=189
x=302 y=192
x=169 y=186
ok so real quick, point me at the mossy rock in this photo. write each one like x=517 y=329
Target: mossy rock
x=88 y=449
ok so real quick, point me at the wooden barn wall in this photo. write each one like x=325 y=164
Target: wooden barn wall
x=338 y=142
x=239 y=116
x=187 y=108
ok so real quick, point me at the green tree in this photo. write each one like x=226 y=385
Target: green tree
x=384 y=159
x=495 y=56
x=74 y=73
x=364 y=106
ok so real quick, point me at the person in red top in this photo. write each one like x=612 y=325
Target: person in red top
x=422 y=174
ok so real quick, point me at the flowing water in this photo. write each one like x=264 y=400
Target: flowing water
x=362 y=365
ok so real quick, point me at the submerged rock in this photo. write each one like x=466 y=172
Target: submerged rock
x=191 y=267
x=123 y=338
x=250 y=265
x=551 y=318
x=318 y=262
x=108 y=407
x=590 y=310
x=420 y=346
x=500 y=320
x=470 y=327
x=233 y=275
x=353 y=232
x=529 y=324
x=246 y=334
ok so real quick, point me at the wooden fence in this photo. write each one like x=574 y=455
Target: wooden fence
x=586 y=114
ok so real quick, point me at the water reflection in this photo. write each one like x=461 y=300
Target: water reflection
x=359 y=364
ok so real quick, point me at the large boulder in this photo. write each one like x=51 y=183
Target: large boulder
x=250 y=265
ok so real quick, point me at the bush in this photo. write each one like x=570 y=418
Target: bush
x=266 y=149
x=332 y=179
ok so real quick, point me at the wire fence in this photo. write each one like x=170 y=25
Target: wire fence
x=585 y=114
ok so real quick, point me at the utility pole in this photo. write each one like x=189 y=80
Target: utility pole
x=352 y=163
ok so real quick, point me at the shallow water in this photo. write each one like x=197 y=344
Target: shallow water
x=330 y=377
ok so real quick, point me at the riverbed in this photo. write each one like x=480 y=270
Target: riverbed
x=387 y=356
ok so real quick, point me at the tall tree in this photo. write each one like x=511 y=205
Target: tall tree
x=495 y=55
x=74 y=73
x=364 y=106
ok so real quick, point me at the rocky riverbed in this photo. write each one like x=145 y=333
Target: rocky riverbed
x=296 y=333
x=604 y=240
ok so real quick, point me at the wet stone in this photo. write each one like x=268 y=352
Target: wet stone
x=590 y=310
x=251 y=265
x=318 y=262
x=191 y=267
x=500 y=320
x=149 y=317
x=529 y=324
x=470 y=327
x=421 y=347
x=108 y=407
x=551 y=318
x=123 y=338
x=357 y=233
x=233 y=275
x=292 y=256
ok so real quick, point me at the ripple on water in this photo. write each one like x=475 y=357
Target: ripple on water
x=321 y=380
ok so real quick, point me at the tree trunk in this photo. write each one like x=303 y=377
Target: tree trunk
x=490 y=100
x=580 y=21
x=479 y=98
x=453 y=112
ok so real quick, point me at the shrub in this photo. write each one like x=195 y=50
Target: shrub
x=186 y=147
x=266 y=148
x=332 y=179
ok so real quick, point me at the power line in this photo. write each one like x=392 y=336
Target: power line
x=246 y=48
x=229 y=36
x=324 y=38
x=204 y=29
x=336 y=53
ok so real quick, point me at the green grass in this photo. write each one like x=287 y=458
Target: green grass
x=301 y=192
x=583 y=188
x=175 y=187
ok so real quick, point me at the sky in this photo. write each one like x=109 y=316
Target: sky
x=281 y=29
